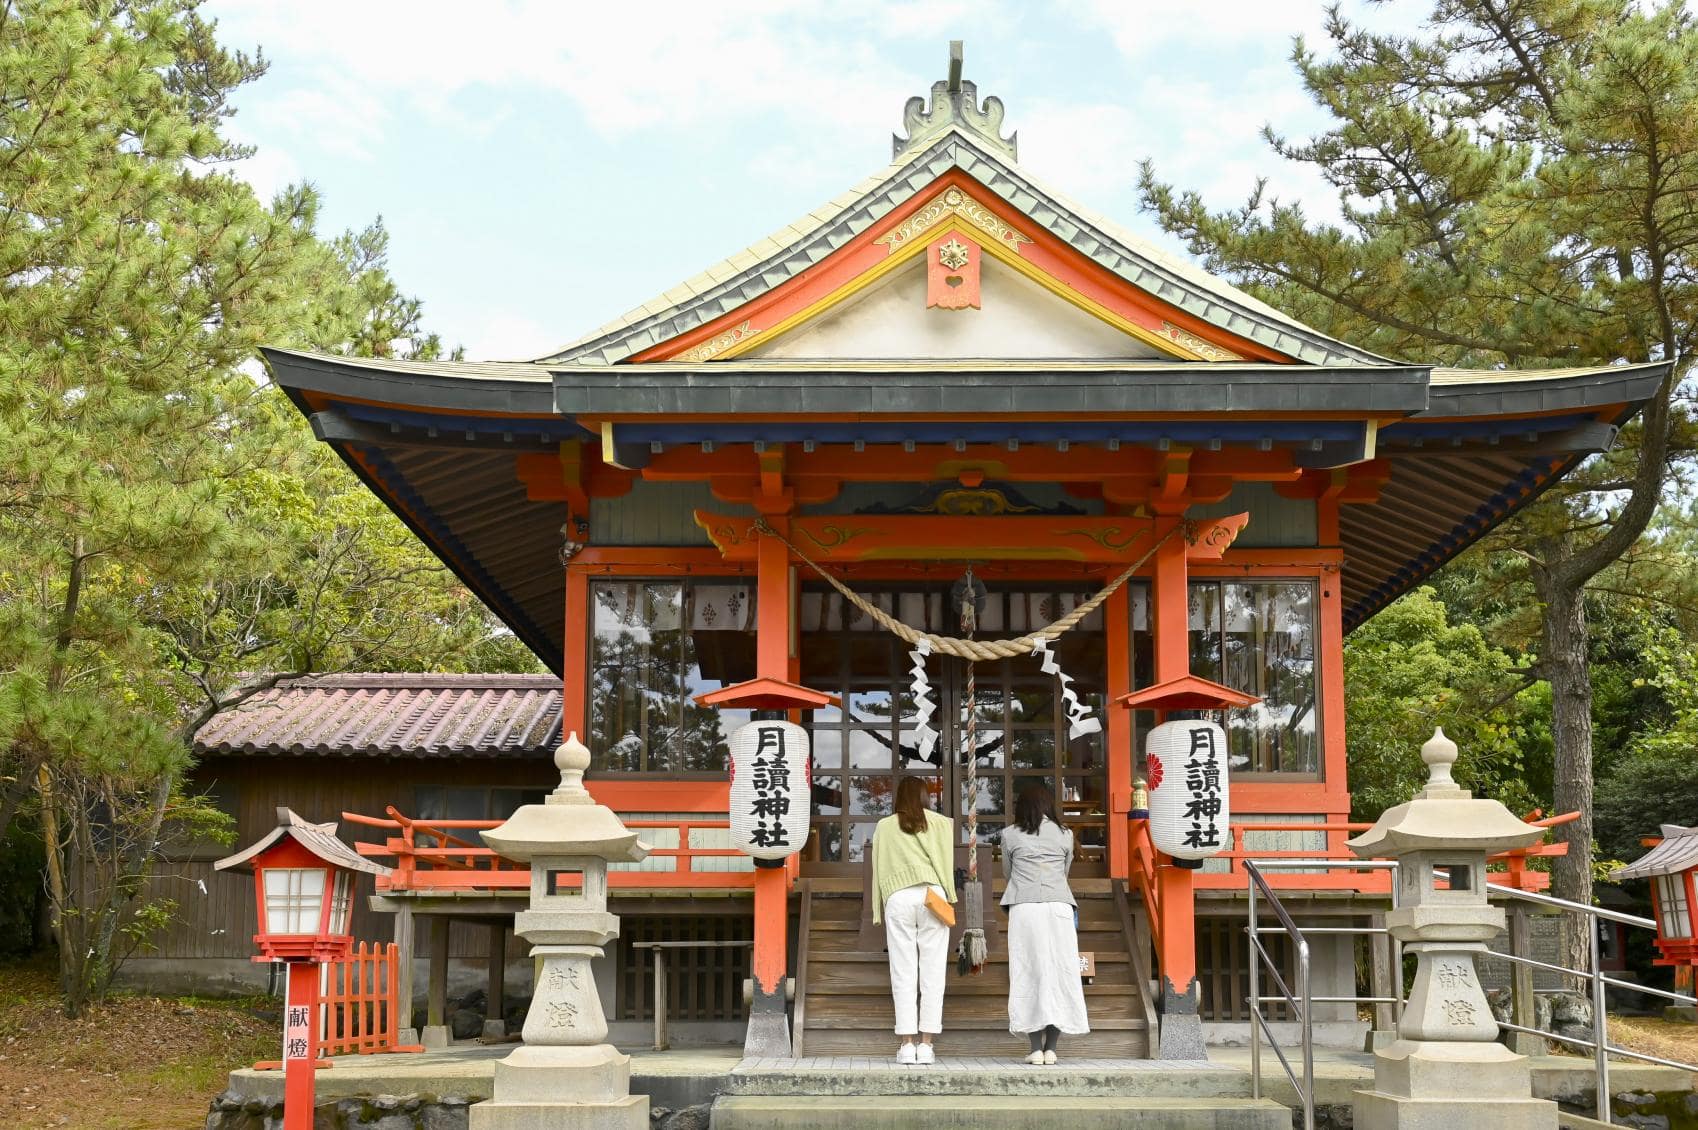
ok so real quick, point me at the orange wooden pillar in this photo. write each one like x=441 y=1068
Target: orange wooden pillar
x=1170 y=606
x=1122 y=759
x=769 y=1024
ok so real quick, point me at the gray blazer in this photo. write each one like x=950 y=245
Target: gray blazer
x=1036 y=866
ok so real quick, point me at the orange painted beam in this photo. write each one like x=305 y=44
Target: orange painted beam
x=936 y=462
x=772 y=922
x=914 y=537
x=575 y=654
x=1178 y=939
x=1117 y=625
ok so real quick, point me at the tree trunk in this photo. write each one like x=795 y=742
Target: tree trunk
x=1566 y=663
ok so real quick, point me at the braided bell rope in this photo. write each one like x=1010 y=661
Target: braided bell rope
x=971 y=649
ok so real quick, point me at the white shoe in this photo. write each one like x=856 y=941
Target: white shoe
x=1036 y=1059
x=926 y=1054
x=1049 y=1059
x=905 y=1054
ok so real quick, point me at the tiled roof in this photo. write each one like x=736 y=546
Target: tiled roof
x=788 y=252
x=1678 y=852
x=399 y=715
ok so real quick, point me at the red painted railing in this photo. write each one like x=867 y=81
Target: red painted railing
x=428 y=855
x=359 y=995
x=1147 y=862
x=358 y=1009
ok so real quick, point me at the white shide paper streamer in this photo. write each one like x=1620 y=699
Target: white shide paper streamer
x=925 y=737
x=1079 y=720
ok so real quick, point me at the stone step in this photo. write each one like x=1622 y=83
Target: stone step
x=1075 y=1077
x=999 y=1112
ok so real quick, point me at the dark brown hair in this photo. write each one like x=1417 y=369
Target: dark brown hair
x=911 y=805
x=1033 y=804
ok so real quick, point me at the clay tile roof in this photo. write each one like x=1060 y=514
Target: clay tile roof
x=401 y=715
x=1678 y=852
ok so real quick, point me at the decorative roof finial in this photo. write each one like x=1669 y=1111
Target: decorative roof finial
x=1440 y=754
x=954 y=102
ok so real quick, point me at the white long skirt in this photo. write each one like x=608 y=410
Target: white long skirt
x=1043 y=970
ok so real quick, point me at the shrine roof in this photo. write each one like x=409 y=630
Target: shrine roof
x=793 y=249
x=391 y=715
x=1677 y=852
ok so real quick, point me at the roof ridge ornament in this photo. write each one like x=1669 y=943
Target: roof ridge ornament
x=954 y=102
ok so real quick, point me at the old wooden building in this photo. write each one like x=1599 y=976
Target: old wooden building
x=950 y=366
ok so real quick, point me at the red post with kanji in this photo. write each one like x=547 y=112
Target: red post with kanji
x=304 y=885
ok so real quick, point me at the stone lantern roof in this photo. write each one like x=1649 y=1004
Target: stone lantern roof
x=1444 y=816
x=569 y=822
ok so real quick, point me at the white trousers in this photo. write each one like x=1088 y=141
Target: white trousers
x=918 y=945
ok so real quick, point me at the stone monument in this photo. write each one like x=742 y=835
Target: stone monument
x=1446 y=1068
x=565 y=1076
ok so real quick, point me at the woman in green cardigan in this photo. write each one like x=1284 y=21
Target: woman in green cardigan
x=913 y=854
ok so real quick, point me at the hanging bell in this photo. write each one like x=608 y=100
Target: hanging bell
x=967 y=597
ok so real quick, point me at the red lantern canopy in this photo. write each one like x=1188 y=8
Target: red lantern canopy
x=304 y=885
x=1670 y=865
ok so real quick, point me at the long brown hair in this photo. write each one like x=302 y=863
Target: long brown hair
x=1033 y=804
x=911 y=805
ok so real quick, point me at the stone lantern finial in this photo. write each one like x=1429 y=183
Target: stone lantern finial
x=572 y=757
x=1439 y=752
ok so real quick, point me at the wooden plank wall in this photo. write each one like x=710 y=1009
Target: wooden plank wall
x=221 y=921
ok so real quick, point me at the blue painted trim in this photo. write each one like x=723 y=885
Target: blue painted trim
x=1137 y=431
x=1519 y=491
x=489 y=591
x=1404 y=430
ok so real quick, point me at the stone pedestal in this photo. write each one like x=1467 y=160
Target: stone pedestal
x=563 y=1087
x=1446 y=1069
x=565 y=1077
x=1450 y=1085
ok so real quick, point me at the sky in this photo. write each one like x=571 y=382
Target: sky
x=542 y=167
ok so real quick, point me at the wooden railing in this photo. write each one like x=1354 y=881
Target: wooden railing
x=359 y=995
x=1509 y=869
x=434 y=855
x=358 y=1006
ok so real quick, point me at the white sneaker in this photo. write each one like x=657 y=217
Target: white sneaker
x=1036 y=1059
x=905 y=1054
x=1049 y=1059
x=925 y=1054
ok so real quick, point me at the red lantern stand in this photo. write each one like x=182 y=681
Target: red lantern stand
x=303 y=886
x=1671 y=866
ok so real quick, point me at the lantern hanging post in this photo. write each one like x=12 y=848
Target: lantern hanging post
x=304 y=887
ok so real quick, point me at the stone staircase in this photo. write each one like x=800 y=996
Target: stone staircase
x=843 y=986
x=973 y=1093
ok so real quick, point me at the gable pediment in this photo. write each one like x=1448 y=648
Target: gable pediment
x=1017 y=317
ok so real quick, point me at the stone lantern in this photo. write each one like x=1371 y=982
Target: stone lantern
x=565 y=1074
x=1446 y=1067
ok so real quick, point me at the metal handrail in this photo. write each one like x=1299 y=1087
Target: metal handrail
x=1301 y=1003
x=1599 y=1044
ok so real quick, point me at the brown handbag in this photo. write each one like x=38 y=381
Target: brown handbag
x=940 y=906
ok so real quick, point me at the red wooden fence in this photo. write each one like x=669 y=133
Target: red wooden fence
x=360 y=994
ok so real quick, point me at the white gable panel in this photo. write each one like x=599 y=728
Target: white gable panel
x=1019 y=320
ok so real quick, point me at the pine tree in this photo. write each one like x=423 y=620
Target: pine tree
x=153 y=544
x=1520 y=189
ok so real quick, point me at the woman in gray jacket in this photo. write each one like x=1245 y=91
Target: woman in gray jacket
x=1045 y=995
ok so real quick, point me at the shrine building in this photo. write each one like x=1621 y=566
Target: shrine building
x=950 y=368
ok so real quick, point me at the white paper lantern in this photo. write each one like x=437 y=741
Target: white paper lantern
x=1185 y=764
x=771 y=794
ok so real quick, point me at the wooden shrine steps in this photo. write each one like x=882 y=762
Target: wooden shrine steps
x=843 y=1005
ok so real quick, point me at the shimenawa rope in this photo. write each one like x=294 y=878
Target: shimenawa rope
x=970 y=649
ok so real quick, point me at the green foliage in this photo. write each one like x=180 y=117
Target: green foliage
x=1409 y=670
x=1656 y=783
x=1517 y=186
x=167 y=528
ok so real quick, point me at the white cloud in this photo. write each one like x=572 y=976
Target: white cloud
x=499 y=334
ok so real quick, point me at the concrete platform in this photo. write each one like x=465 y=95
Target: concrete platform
x=1088 y=1092
x=981 y=1112
x=672 y=1079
